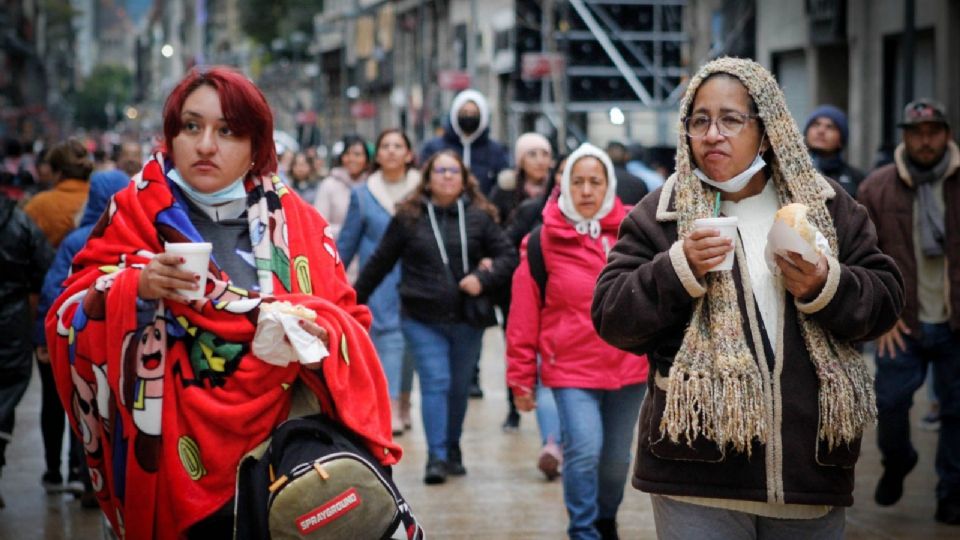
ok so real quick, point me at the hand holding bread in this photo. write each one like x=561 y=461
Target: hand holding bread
x=273 y=343
x=307 y=318
x=803 y=277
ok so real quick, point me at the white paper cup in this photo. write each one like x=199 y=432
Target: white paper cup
x=728 y=229
x=197 y=257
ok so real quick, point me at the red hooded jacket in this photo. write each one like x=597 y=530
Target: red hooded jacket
x=561 y=330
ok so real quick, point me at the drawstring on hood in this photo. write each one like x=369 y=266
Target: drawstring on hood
x=584 y=225
x=466 y=139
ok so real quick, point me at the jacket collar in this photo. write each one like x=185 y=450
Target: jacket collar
x=666 y=205
x=450 y=208
x=377 y=187
x=72 y=185
x=339 y=174
x=900 y=158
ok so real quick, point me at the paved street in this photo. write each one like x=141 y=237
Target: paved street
x=503 y=495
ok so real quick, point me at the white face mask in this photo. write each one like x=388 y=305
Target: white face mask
x=739 y=181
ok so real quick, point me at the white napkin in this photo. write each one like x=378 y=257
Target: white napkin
x=782 y=238
x=270 y=346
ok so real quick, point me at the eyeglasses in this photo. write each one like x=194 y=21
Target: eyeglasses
x=728 y=124
x=444 y=170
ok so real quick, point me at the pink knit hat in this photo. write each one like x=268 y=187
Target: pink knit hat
x=527 y=142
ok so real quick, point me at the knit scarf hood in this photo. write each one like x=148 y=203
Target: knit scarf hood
x=715 y=387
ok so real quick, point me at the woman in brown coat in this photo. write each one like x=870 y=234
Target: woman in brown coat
x=757 y=398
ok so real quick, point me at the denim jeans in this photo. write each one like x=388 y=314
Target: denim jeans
x=445 y=357
x=390 y=349
x=898 y=378
x=406 y=372
x=548 y=419
x=597 y=428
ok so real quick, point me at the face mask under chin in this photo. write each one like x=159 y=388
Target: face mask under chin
x=739 y=181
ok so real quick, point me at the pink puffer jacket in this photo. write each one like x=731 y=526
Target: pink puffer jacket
x=561 y=331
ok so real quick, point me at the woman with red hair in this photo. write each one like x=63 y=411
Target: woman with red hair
x=169 y=392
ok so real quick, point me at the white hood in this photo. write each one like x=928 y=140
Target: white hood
x=584 y=225
x=459 y=101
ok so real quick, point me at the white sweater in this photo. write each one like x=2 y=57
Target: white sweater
x=755 y=215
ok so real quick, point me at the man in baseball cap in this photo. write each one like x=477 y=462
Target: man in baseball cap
x=923 y=111
x=915 y=205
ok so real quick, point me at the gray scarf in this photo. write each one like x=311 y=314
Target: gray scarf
x=932 y=228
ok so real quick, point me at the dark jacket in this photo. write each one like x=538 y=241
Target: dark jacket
x=889 y=194
x=428 y=293
x=487 y=156
x=506 y=201
x=642 y=306
x=630 y=189
x=840 y=171
x=525 y=217
x=25 y=256
x=529 y=213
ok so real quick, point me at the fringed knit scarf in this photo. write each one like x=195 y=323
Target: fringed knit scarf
x=716 y=388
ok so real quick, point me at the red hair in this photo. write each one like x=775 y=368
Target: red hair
x=244 y=108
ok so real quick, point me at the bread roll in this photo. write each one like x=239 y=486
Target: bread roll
x=291 y=309
x=795 y=216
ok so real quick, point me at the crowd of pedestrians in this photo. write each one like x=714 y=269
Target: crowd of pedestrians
x=591 y=265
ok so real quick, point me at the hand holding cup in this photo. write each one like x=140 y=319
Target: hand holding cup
x=180 y=273
x=709 y=248
x=163 y=278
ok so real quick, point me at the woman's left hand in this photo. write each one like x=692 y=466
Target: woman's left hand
x=470 y=284
x=320 y=333
x=804 y=280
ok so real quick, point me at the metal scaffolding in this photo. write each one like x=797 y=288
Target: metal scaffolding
x=624 y=54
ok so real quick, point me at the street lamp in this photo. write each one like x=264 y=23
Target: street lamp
x=167 y=50
x=616 y=116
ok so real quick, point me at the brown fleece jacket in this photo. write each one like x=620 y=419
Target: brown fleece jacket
x=888 y=194
x=643 y=305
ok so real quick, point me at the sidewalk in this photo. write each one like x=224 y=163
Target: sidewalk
x=502 y=496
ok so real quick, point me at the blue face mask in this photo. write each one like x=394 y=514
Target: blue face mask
x=233 y=192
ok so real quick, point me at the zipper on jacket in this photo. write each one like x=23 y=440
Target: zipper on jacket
x=773 y=449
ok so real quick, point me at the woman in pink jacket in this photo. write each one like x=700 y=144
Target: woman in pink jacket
x=598 y=388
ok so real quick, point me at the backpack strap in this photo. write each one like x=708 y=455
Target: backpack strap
x=538 y=267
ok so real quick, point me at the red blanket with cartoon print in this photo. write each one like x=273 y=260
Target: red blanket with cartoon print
x=168 y=396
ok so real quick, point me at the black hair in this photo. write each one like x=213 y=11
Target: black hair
x=349 y=141
x=374 y=166
x=71 y=160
